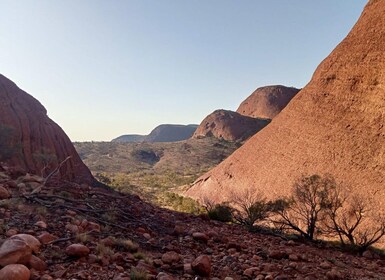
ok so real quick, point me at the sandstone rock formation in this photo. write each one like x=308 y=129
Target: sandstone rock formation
x=229 y=125
x=334 y=125
x=267 y=102
x=38 y=141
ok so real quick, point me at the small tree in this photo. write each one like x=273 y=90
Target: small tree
x=306 y=207
x=354 y=220
x=46 y=159
x=250 y=207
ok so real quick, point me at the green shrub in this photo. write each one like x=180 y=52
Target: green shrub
x=137 y=274
x=126 y=245
x=221 y=212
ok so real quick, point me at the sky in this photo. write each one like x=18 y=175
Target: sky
x=107 y=68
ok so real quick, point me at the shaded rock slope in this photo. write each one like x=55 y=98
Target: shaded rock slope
x=77 y=235
x=267 y=102
x=37 y=141
x=334 y=125
x=229 y=126
x=162 y=133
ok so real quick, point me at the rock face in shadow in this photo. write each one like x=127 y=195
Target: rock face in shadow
x=334 y=125
x=35 y=140
x=229 y=126
x=267 y=102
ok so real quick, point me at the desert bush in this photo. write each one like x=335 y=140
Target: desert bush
x=354 y=220
x=140 y=256
x=82 y=237
x=7 y=146
x=250 y=207
x=103 y=250
x=306 y=208
x=126 y=245
x=46 y=160
x=103 y=178
x=219 y=212
x=138 y=274
x=182 y=204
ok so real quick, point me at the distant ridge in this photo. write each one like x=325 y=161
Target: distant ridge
x=130 y=138
x=162 y=133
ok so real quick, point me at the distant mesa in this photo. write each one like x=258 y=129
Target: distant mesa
x=162 y=133
x=267 y=102
x=229 y=126
x=129 y=138
x=30 y=140
x=335 y=125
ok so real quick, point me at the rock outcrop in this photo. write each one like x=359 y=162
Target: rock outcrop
x=334 y=125
x=35 y=140
x=267 y=102
x=229 y=126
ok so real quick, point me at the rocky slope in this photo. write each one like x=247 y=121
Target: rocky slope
x=38 y=142
x=334 y=125
x=75 y=234
x=267 y=102
x=162 y=133
x=229 y=126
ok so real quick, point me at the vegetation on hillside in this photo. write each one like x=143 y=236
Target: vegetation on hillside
x=155 y=171
x=317 y=208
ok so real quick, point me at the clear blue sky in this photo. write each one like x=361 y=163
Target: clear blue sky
x=107 y=68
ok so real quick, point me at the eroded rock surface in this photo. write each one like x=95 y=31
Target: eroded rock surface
x=267 y=102
x=334 y=125
x=36 y=139
x=230 y=126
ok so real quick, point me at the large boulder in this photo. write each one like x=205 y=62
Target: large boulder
x=335 y=125
x=18 y=249
x=267 y=102
x=15 y=272
x=229 y=126
x=32 y=140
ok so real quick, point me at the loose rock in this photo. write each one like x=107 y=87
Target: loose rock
x=15 y=272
